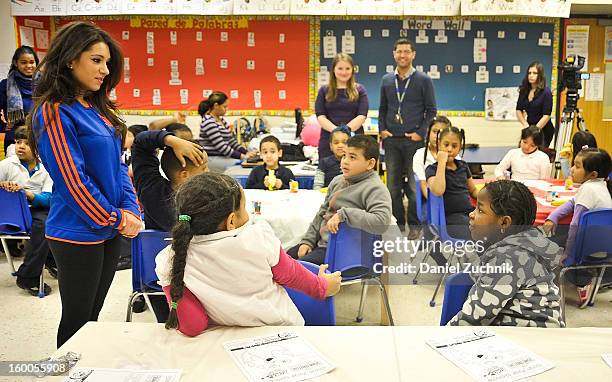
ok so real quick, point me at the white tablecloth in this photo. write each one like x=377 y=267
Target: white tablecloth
x=368 y=353
x=289 y=214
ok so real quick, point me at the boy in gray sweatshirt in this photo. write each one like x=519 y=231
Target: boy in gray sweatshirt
x=357 y=197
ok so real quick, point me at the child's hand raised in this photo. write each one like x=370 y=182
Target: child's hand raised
x=186 y=150
x=333 y=280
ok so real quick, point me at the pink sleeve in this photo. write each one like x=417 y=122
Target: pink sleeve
x=192 y=317
x=290 y=273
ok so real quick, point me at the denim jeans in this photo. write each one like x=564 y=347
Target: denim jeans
x=399 y=152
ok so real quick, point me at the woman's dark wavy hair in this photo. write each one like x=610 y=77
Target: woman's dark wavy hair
x=57 y=83
x=208 y=199
x=540 y=84
x=24 y=49
x=511 y=198
x=216 y=97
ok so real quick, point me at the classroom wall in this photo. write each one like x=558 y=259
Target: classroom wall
x=593 y=110
x=7 y=33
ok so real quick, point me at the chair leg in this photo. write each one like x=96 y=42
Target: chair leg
x=128 y=317
x=562 y=294
x=364 y=292
x=432 y=302
x=9 y=259
x=385 y=297
x=416 y=276
x=596 y=287
x=41 y=284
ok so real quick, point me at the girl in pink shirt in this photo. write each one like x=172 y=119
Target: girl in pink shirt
x=233 y=268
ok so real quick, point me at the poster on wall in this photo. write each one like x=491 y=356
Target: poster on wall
x=149 y=7
x=489 y=7
x=432 y=7
x=262 y=7
x=577 y=42
x=217 y=7
x=34 y=31
x=375 y=7
x=308 y=7
x=500 y=103
x=545 y=8
x=94 y=7
x=38 y=7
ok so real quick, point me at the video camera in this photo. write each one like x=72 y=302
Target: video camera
x=571 y=77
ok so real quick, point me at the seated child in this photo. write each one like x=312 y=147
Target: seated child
x=181 y=160
x=524 y=294
x=234 y=268
x=580 y=140
x=527 y=162
x=452 y=179
x=23 y=171
x=591 y=168
x=270 y=151
x=329 y=167
x=426 y=156
x=357 y=197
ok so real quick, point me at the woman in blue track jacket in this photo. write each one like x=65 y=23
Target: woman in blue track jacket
x=79 y=136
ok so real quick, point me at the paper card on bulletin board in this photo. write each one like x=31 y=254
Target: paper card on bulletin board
x=500 y=104
x=38 y=7
x=577 y=42
x=217 y=7
x=37 y=31
x=157 y=7
x=94 y=7
x=545 y=8
x=211 y=64
x=432 y=7
x=308 y=7
x=488 y=7
x=262 y=7
x=374 y=7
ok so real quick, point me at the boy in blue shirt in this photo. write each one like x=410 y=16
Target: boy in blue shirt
x=23 y=171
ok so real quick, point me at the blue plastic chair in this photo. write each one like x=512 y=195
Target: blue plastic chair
x=592 y=249
x=145 y=248
x=315 y=312
x=305 y=182
x=456 y=290
x=419 y=199
x=16 y=224
x=350 y=251
x=242 y=179
x=436 y=220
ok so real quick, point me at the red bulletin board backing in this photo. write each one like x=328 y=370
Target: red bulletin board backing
x=34 y=31
x=278 y=50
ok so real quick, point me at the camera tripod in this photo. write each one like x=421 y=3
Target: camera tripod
x=571 y=113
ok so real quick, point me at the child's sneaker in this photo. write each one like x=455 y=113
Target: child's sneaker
x=584 y=293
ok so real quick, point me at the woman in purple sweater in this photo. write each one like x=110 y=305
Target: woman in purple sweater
x=534 y=105
x=342 y=102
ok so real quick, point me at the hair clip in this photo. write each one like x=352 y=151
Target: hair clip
x=174 y=305
x=584 y=147
x=185 y=218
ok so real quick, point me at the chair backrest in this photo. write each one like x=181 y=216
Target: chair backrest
x=315 y=312
x=242 y=179
x=16 y=219
x=436 y=217
x=305 y=182
x=456 y=290
x=145 y=248
x=350 y=251
x=419 y=198
x=594 y=235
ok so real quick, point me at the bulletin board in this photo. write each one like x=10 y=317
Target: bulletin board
x=456 y=92
x=35 y=32
x=172 y=63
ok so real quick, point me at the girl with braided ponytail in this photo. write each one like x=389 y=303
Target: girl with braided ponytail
x=514 y=281
x=451 y=178
x=233 y=268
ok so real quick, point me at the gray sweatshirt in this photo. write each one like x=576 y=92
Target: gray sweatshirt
x=523 y=292
x=361 y=201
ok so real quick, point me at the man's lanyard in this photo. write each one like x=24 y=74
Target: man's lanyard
x=400 y=96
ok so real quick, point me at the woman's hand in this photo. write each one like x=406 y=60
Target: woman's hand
x=131 y=225
x=250 y=154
